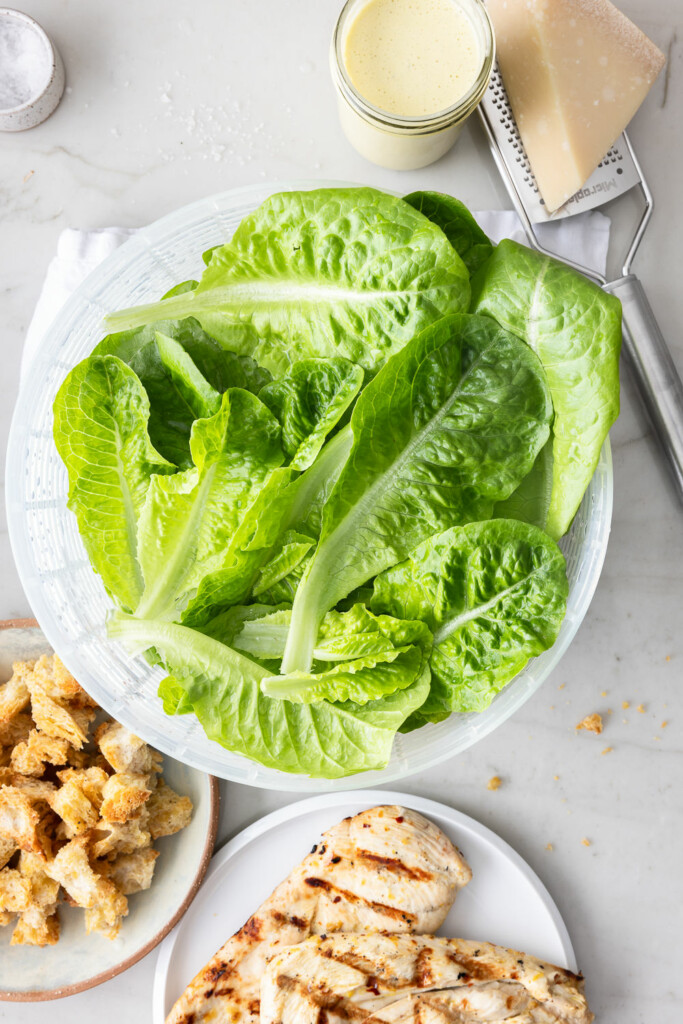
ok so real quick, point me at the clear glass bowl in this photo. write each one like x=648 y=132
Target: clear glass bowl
x=67 y=597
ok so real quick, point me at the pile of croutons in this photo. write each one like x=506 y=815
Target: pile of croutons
x=78 y=814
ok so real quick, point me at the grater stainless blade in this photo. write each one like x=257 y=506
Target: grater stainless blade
x=614 y=176
x=654 y=370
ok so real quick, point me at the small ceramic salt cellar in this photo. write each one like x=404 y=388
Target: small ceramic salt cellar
x=31 y=72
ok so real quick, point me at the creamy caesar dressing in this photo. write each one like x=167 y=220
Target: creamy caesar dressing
x=408 y=74
x=412 y=57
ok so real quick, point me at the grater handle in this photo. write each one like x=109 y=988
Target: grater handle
x=656 y=376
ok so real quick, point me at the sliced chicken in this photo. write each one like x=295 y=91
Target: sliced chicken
x=386 y=869
x=414 y=979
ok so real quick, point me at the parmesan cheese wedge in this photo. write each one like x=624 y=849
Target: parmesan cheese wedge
x=575 y=72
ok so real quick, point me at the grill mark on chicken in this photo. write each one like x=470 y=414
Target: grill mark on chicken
x=324 y=999
x=395 y=865
x=354 y=898
x=410 y=978
x=477 y=970
x=386 y=869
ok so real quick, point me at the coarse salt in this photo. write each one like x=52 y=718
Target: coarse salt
x=25 y=63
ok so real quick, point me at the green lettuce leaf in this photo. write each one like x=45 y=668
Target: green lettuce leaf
x=332 y=272
x=289 y=557
x=308 y=401
x=472 y=245
x=448 y=427
x=323 y=740
x=493 y=594
x=343 y=636
x=189 y=520
x=530 y=503
x=101 y=415
x=220 y=367
x=249 y=550
x=184 y=373
x=362 y=680
x=575 y=328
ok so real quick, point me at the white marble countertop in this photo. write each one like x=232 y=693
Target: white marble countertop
x=168 y=102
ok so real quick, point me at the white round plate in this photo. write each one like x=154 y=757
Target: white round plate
x=505 y=902
x=79 y=961
x=68 y=599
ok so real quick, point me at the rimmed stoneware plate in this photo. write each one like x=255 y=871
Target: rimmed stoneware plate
x=505 y=902
x=79 y=961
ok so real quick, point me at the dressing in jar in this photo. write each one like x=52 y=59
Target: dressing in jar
x=408 y=73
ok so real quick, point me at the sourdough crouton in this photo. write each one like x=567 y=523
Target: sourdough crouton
x=38 y=791
x=30 y=757
x=124 y=793
x=124 y=751
x=7 y=849
x=14 y=695
x=168 y=812
x=15 y=891
x=51 y=675
x=90 y=780
x=38 y=925
x=74 y=808
x=71 y=868
x=35 y=927
x=14 y=731
x=19 y=819
x=96 y=921
x=131 y=872
x=111 y=839
x=78 y=758
x=55 y=718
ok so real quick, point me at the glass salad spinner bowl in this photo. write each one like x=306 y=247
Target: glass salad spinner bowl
x=68 y=598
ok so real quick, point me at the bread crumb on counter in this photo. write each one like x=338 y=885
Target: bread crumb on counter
x=495 y=782
x=641 y=709
x=585 y=842
x=625 y=704
x=591 y=723
x=549 y=847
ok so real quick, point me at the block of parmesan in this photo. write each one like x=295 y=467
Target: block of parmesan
x=575 y=72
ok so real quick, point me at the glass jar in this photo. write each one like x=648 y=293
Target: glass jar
x=392 y=140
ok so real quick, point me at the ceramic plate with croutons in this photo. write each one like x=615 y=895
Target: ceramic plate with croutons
x=103 y=843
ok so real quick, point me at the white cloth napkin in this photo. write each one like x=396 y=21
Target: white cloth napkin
x=583 y=238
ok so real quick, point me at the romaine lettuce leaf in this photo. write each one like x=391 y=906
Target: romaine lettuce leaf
x=189 y=520
x=101 y=413
x=575 y=328
x=530 y=503
x=347 y=272
x=308 y=401
x=283 y=564
x=222 y=368
x=342 y=636
x=362 y=680
x=458 y=225
x=449 y=426
x=323 y=740
x=494 y=595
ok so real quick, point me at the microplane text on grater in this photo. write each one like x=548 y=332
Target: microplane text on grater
x=606 y=182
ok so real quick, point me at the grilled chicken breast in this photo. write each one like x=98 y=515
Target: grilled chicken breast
x=386 y=869
x=410 y=979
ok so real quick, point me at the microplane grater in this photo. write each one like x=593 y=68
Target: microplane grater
x=653 y=368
